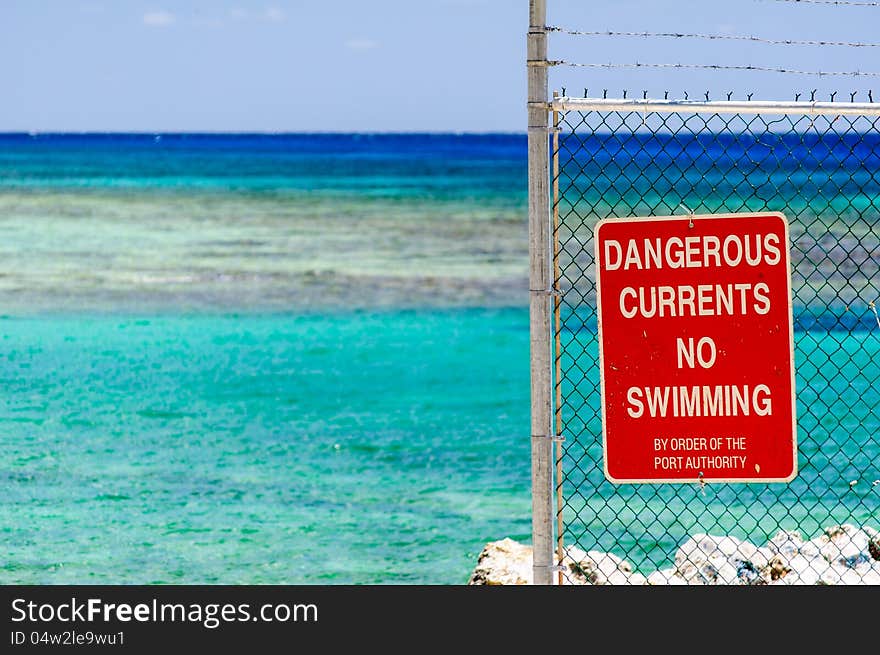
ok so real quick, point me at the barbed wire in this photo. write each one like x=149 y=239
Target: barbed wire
x=832 y=2
x=768 y=69
x=729 y=95
x=718 y=37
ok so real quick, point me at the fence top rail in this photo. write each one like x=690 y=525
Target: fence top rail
x=809 y=108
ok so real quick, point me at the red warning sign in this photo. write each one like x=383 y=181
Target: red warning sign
x=696 y=348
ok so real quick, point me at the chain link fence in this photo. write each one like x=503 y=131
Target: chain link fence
x=821 y=169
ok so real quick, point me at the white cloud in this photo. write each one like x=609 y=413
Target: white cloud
x=361 y=44
x=159 y=18
x=274 y=14
x=238 y=13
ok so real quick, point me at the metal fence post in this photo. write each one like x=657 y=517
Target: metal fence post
x=539 y=298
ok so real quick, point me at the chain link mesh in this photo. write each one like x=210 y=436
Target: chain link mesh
x=823 y=173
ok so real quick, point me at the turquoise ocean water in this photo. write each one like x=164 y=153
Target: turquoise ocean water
x=298 y=359
x=251 y=359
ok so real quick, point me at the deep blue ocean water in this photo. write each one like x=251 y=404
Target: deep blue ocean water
x=304 y=359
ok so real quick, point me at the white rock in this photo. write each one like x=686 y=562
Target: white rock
x=622 y=578
x=706 y=559
x=595 y=567
x=776 y=568
x=871 y=576
x=786 y=542
x=789 y=543
x=666 y=577
x=841 y=555
x=844 y=545
x=504 y=562
x=806 y=570
x=873 y=542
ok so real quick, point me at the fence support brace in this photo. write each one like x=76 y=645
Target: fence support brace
x=539 y=298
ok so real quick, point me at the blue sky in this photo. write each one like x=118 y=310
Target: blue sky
x=390 y=65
